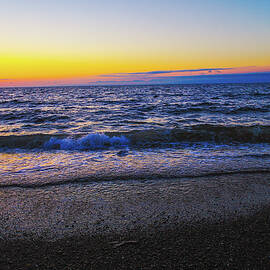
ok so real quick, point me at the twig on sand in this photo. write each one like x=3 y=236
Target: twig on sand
x=119 y=244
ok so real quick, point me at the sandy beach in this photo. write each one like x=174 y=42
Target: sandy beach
x=215 y=222
x=240 y=244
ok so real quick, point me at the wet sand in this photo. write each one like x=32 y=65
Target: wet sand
x=213 y=222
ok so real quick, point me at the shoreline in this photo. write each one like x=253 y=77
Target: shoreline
x=120 y=206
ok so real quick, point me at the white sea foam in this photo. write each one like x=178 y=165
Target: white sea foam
x=89 y=142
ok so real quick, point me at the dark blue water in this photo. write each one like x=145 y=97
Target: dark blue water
x=61 y=134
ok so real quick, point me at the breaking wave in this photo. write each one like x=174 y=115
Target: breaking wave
x=139 y=138
x=89 y=142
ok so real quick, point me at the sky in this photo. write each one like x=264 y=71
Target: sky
x=67 y=42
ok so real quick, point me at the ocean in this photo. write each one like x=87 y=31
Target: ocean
x=60 y=135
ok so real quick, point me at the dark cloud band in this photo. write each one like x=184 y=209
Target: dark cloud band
x=157 y=72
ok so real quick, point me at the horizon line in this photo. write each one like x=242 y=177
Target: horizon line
x=176 y=76
x=195 y=79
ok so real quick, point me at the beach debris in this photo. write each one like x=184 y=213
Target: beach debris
x=117 y=244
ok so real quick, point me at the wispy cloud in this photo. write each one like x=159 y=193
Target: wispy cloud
x=248 y=74
x=173 y=75
x=157 y=72
x=207 y=78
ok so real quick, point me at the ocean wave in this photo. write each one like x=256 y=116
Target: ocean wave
x=140 y=138
x=24 y=141
x=267 y=94
x=249 y=109
x=89 y=142
x=20 y=101
x=202 y=133
x=49 y=118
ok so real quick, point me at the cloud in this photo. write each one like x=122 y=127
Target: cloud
x=216 y=78
x=118 y=82
x=202 y=78
x=180 y=75
x=157 y=72
x=178 y=70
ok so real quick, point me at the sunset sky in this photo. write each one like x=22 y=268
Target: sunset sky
x=66 y=42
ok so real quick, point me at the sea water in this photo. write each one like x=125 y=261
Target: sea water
x=53 y=135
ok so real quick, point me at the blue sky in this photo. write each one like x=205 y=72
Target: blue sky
x=67 y=40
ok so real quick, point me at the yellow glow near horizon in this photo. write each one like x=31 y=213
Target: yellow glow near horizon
x=25 y=66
